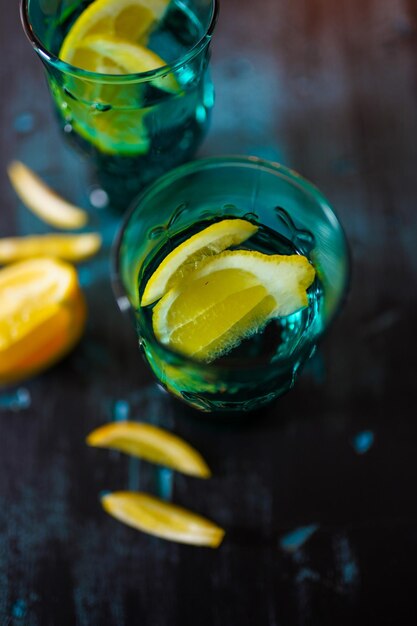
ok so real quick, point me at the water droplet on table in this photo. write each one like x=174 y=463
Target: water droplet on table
x=99 y=198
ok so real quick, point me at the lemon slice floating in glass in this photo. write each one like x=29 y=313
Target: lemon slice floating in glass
x=42 y=316
x=118 y=56
x=111 y=116
x=131 y=20
x=108 y=38
x=162 y=519
x=230 y=296
x=151 y=443
x=184 y=258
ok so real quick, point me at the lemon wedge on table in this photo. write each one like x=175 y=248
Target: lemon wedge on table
x=151 y=443
x=116 y=56
x=228 y=297
x=68 y=247
x=131 y=20
x=42 y=200
x=42 y=316
x=184 y=258
x=162 y=519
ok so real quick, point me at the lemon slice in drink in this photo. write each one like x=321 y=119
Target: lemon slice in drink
x=111 y=116
x=151 y=443
x=131 y=20
x=118 y=56
x=184 y=258
x=162 y=519
x=228 y=297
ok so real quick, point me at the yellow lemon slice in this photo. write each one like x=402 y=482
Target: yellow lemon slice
x=107 y=115
x=228 y=297
x=128 y=19
x=156 y=517
x=105 y=39
x=152 y=444
x=118 y=56
x=42 y=200
x=42 y=316
x=115 y=132
x=184 y=258
x=68 y=247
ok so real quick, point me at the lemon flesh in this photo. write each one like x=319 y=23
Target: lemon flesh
x=131 y=20
x=151 y=443
x=106 y=39
x=120 y=128
x=185 y=257
x=42 y=200
x=69 y=247
x=230 y=296
x=162 y=519
x=117 y=56
x=42 y=316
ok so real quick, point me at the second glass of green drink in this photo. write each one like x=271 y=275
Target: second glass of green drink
x=288 y=220
x=134 y=125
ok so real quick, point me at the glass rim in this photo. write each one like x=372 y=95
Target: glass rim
x=121 y=294
x=78 y=72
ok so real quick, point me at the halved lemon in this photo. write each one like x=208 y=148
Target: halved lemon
x=228 y=297
x=42 y=316
x=162 y=519
x=152 y=444
x=131 y=20
x=68 y=247
x=42 y=200
x=185 y=257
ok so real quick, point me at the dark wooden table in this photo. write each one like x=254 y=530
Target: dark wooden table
x=329 y=88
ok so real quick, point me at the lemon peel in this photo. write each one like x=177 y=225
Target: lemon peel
x=185 y=257
x=228 y=297
x=151 y=443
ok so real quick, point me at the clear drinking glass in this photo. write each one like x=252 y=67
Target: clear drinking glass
x=133 y=127
x=293 y=216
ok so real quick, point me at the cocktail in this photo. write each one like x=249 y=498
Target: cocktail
x=129 y=80
x=233 y=269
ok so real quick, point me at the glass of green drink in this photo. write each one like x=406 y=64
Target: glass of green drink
x=134 y=93
x=291 y=217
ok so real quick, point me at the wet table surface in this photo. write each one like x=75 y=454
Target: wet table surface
x=317 y=493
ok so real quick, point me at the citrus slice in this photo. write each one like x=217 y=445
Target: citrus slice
x=68 y=247
x=42 y=316
x=117 y=56
x=162 y=519
x=42 y=201
x=115 y=131
x=228 y=297
x=152 y=444
x=184 y=258
x=129 y=19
